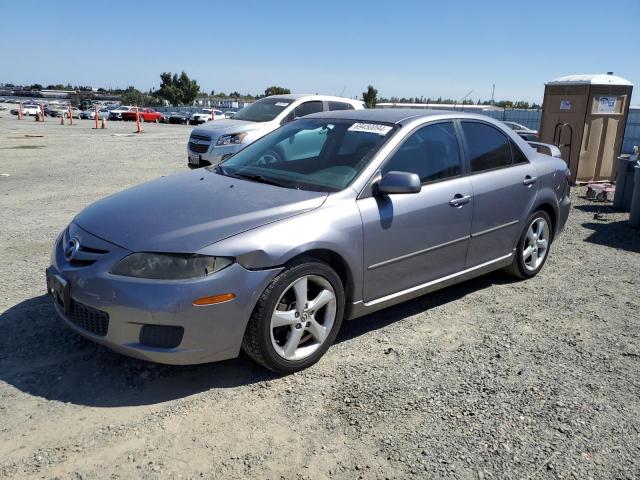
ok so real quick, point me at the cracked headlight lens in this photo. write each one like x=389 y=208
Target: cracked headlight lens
x=169 y=266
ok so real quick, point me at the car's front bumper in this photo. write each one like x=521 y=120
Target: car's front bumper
x=213 y=156
x=127 y=305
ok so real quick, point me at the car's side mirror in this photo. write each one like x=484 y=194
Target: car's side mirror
x=398 y=182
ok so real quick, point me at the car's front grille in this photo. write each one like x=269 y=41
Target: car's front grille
x=86 y=254
x=162 y=336
x=89 y=318
x=197 y=136
x=198 y=147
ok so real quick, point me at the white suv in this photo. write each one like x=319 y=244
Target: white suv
x=214 y=141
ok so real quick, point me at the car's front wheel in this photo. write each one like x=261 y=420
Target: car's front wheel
x=296 y=318
x=533 y=246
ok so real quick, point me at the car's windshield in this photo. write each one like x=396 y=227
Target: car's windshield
x=310 y=154
x=264 y=110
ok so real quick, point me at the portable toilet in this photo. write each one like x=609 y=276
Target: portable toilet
x=585 y=116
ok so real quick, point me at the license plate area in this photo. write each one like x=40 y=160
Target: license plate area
x=59 y=289
x=194 y=159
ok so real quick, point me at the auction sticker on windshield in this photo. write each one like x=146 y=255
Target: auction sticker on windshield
x=370 y=128
x=281 y=104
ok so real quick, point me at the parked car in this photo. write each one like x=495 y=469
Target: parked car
x=518 y=128
x=330 y=217
x=116 y=113
x=229 y=114
x=56 y=110
x=204 y=116
x=146 y=115
x=27 y=110
x=525 y=133
x=165 y=116
x=90 y=114
x=75 y=112
x=214 y=141
x=181 y=118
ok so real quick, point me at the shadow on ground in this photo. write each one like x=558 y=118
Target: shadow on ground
x=615 y=234
x=42 y=357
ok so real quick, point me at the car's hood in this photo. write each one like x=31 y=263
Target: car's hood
x=225 y=126
x=188 y=211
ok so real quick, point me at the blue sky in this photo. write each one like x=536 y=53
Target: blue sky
x=404 y=48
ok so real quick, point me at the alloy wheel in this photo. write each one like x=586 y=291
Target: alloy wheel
x=303 y=317
x=536 y=244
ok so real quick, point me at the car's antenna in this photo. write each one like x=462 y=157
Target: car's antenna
x=464 y=98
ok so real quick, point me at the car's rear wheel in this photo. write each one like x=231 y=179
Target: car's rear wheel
x=533 y=246
x=297 y=317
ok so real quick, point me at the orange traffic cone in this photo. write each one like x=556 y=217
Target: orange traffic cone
x=104 y=123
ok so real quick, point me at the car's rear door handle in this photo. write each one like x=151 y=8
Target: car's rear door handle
x=458 y=200
x=529 y=180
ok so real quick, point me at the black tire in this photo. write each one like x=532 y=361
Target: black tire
x=257 y=338
x=518 y=268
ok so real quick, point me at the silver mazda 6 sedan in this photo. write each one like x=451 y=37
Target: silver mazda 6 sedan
x=330 y=217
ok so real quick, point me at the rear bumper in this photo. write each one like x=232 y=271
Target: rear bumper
x=127 y=305
x=563 y=213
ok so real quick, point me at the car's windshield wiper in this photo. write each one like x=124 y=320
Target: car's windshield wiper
x=220 y=169
x=258 y=178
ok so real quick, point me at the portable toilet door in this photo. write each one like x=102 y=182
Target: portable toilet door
x=585 y=115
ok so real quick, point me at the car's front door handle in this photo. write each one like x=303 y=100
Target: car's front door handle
x=529 y=180
x=458 y=200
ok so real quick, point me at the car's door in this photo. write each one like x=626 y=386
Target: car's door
x=411 y=239
x=504 y=188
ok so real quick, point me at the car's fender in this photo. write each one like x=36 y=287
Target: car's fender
x=334 y=227
x=551 y=180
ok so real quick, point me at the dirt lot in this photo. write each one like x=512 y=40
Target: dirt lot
x=489 y=379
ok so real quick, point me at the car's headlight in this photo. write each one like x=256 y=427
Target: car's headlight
x=169 y=266
x=231 y=139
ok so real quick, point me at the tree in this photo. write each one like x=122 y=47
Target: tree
x=276 y=91
x=234 y=94
x=133 y=96
x=370 y=97
x=178 y=90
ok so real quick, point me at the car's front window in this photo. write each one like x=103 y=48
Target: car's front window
x=311 y=154
x=264 y=110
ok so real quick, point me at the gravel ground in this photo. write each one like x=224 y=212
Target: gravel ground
x=488 y=379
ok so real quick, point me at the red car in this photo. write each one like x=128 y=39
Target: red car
x=146 y=115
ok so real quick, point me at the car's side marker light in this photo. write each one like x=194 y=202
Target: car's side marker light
x=213 y=299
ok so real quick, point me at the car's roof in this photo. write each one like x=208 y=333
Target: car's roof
x=396 y=115
x=297 y=96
